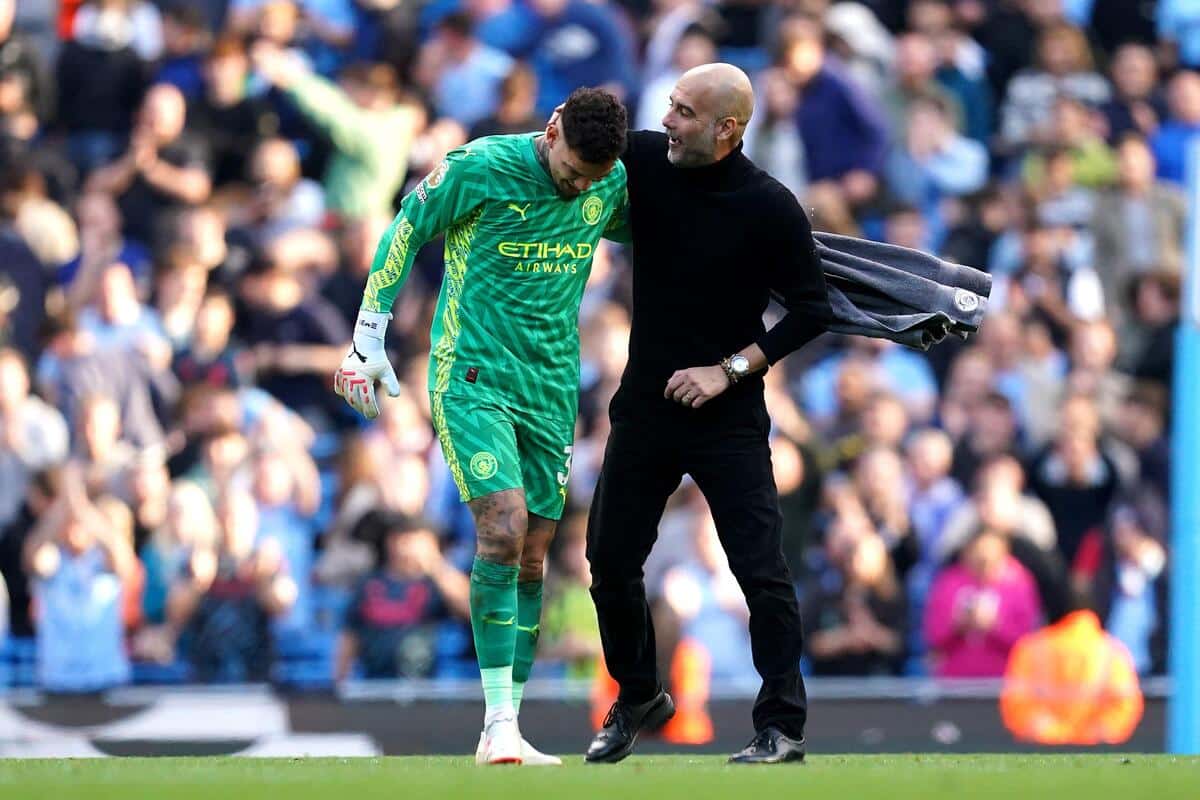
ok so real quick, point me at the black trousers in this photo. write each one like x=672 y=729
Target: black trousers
x=731 y=465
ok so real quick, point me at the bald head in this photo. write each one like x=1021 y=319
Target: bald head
x=710 y=108
x=163 y=112
x=728 y=90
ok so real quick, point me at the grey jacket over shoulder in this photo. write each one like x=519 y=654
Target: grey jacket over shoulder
x=889 y=292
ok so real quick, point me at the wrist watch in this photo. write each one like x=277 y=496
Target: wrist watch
x=736 y=367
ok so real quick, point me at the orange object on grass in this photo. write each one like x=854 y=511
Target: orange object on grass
x=1071 y=683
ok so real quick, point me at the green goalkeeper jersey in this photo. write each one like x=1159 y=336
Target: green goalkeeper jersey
x=517 y=259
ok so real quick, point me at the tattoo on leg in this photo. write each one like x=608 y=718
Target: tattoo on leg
x=501 y=522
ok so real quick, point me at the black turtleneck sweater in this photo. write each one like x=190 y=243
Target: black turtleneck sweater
x=711 y=246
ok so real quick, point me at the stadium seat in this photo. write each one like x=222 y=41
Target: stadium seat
x=18 y=662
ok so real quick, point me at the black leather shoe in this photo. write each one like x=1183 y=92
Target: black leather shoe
x=770 y=747
x=619 y=734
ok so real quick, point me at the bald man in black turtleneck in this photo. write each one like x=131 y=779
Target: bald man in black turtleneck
x=714 y=238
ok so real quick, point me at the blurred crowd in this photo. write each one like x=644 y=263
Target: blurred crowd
x=191 y=195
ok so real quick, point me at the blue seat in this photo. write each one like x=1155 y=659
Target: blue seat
x=18 y=662
x=329 y=604
x=177 y=672
x=304 y=658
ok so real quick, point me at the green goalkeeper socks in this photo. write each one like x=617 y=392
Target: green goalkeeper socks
x=494 y=626
x=529 y=616
x=517 y=693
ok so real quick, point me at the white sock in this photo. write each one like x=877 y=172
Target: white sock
x=497 y=694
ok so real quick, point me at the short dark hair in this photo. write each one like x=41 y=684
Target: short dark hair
x=1132 y=137
x=594 y=124
x=187 y=16
x=228 y=45
x=457 y=22
x=376 y=76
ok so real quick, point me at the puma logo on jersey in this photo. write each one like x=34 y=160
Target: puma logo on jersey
x=519 y=209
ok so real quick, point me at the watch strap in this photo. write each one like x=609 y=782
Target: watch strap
x=727 y=365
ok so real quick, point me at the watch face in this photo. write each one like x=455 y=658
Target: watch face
x=740 y=364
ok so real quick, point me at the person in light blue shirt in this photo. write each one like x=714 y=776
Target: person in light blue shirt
x=1078 y=12
x=119 y=320
x=899 y=371
x=1170 y=142
x=77 y=566
x=576 y=43
x=935 y=162
x=703 y=594
x=284 y=495
x=1179 y=24
x=1130 y=587
x=468 y=87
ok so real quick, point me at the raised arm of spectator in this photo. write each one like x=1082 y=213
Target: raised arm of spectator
x=944 y=623
x=346 y=124
x=119 y=552
x=831 y=643
x=40 y=554
x=276 y=590
x=325 y=105
x=347 y=652
x=82 y=291
x=454 y=587
x=319 y=358
x=1019 y=614
x=277 y=595
x=960 y=166
x=189 y=588
x=307 y=481
x=117 y=177
x=189 y=183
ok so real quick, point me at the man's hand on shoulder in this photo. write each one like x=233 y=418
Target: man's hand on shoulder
x=366 y=363
x=695 y=386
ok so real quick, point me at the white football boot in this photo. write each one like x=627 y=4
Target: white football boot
x=501 y=743
x=530 y=755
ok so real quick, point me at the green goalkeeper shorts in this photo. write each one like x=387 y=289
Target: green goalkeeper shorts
x=490 y=447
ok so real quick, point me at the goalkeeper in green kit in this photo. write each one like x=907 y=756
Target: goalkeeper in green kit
x=522 y=217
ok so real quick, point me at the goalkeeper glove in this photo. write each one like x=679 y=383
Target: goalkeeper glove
x=366 y=363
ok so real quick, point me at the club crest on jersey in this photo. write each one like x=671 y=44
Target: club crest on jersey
x=593 y=208
x=438 y=175
x=484 y=465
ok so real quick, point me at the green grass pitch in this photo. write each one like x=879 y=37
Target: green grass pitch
x=894 y=777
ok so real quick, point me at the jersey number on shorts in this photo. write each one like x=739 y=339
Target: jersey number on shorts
x=562 y=476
